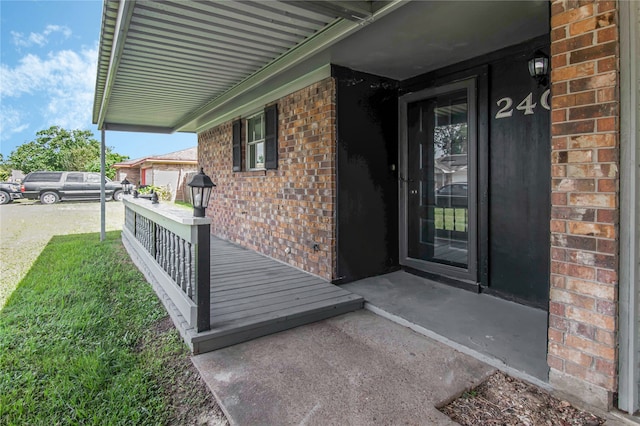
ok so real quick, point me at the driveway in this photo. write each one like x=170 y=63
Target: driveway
x=26 y=227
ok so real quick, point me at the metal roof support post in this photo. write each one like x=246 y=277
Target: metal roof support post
x=629 y=277
x=102 y=186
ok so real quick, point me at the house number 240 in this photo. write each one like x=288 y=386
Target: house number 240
x=526 y=105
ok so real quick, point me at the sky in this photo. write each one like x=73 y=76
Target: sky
x=49 y=52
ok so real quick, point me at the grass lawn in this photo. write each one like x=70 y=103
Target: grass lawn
x=84 y=340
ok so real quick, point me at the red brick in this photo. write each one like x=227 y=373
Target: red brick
x=605 y=322
x=608 y=124
x=607 y=155
x=607 y=368
x=573 y=99
x=558 y=171
x=558 y=34
x=558 y=226
x=555 y=362
x=558 y=322
x=573 y=213
x=592 y=141
x=605 y=337
x=607 y=34
x=573 y=15
x=568 y=298
x=573 y=128
x=608 y=94
x=556 y=335
x=607 y=185
x=575 y=242
x=558 y=61
x=595 y=82
x=607 y=64
x=558 y=116
x=571 y=185
x=607 y=246
x=593 y=200
x=606 y=6
x=583 y=330
x=569 y=354
x=591 y=170
x=590 y=347
x=558 y=281
x=591 y=229
x=590 y=376
x=558 y=198
x=591 y=288
x=606 y=308
x=593 y=111
x=556 y=309
x=569 y=44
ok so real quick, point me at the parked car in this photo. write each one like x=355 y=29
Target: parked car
x=9 y=191
x=452 y=195
x=51 y=187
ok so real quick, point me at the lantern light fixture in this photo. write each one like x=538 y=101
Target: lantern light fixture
x=126 y=186
x=539 y=68
x=200 y=185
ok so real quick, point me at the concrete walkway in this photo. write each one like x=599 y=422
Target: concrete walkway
x=355 y=369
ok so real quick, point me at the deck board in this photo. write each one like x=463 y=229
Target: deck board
x=253 y=295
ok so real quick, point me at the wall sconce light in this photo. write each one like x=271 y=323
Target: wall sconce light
x=539 y=68
x=126 y=185
x=200 y=185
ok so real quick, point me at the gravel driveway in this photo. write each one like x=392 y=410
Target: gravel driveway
x=26 y=227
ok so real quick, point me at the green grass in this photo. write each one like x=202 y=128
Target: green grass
x=77 y=340
x=184 y=204
x=447 y=222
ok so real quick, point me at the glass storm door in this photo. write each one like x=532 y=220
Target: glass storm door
x=438 y=180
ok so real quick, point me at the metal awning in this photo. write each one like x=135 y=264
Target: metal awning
x=164 y=64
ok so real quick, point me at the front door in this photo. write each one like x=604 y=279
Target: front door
x=438 y=181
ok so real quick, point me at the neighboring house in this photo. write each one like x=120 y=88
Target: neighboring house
x=169 y=170
x=326 y=124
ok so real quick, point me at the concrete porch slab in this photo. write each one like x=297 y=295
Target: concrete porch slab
x=511 y=335
x=356 y=369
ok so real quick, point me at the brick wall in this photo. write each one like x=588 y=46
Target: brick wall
x=131 y=173
x=584 y=216
x=292 y=207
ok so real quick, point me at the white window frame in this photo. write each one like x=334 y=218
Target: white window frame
x=252 y=141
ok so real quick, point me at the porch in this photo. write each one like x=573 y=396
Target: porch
x=504 y=334
x=249 y=294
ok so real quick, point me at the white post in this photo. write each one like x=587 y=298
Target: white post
x=102 y=187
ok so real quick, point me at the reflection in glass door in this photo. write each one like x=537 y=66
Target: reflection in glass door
x=439 y=143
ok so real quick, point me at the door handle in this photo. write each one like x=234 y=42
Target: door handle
x=413 y=192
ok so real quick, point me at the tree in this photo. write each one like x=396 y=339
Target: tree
x=5 y=169
x=59 y=149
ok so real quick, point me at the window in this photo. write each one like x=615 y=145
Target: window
x=255 y=142
x=93 y=178
x=75 y=177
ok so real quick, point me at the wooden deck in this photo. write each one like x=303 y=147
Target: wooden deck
x=253 y=295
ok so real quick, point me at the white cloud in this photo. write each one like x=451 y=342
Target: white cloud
x=11 y=122
x=19 y=39
x=59 y=87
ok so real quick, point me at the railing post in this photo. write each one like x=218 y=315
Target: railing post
x=203 y=280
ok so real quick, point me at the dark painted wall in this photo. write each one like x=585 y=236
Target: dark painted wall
x=519 y=184
x=367 y=222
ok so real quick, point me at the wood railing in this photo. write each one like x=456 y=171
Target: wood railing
x=174 y=247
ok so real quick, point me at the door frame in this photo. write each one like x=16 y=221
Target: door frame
x=470 y=274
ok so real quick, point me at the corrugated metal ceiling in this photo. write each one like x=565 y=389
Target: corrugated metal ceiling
x=160 y=61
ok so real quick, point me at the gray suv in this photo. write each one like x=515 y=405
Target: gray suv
x=51 y=187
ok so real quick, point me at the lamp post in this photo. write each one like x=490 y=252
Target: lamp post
x=200 y=185
x=539 y=67
x=126 y=185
